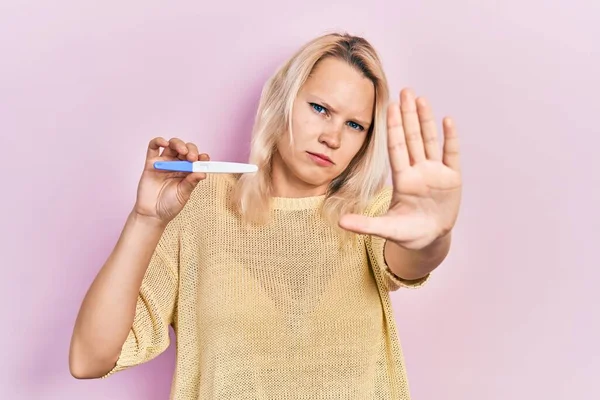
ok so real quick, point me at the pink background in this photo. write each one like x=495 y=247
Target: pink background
x=512 y=313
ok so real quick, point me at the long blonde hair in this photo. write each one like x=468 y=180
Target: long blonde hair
x=366 y=173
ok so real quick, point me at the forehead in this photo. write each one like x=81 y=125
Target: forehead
x=342 y=86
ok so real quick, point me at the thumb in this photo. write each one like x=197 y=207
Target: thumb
x=365 y=225
x=189 y=183
x=389 y=227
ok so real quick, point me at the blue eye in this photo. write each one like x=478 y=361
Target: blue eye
x=356 y=126
x=319 y=109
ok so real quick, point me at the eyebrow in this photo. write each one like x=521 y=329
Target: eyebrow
x=326 y=105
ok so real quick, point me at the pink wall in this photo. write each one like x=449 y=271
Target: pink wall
x=510 y=315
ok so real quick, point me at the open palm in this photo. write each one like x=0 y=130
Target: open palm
x=426 y=178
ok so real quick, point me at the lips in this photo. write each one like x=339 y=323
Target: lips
x=321 y=156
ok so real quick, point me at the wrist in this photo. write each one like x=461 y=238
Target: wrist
x=418 y=261
x=146 y=221
x=440 y=241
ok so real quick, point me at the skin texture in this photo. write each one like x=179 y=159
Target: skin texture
x=107 y=311
x=424 y=207
x=332 y=115
x=427 y=187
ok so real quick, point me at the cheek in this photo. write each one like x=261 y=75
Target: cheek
x=290 y=150
x=353 y=144
x=284 y=147
x=306 y=126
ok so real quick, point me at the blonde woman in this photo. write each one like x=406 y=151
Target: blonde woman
x=277 y=283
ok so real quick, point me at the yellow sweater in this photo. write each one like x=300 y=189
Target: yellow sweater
x=277 y=312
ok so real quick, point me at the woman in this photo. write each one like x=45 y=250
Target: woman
x=277 y=283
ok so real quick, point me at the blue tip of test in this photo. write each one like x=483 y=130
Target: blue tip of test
x=179 y=166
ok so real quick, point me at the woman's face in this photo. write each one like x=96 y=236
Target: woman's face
x=332 y=115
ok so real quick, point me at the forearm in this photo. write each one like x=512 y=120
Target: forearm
x=108 y=309
x=414 y=264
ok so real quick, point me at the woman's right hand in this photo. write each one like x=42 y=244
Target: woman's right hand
x=161 y=195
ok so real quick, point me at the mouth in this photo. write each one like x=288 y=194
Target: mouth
x=321 y=158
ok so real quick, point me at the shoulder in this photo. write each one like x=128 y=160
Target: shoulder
x=379 y=203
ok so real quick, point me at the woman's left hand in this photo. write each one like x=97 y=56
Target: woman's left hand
x=426 y=178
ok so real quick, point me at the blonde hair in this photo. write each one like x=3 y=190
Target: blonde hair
x=367 y=172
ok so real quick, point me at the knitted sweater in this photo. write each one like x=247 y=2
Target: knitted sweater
x=275 y=312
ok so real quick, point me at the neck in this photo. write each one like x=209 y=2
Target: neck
x=286 y=184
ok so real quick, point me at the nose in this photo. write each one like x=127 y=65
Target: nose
x=332 y=137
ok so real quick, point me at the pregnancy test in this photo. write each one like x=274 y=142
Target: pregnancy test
x=211 y=167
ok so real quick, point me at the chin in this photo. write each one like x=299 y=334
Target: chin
x=311 y=178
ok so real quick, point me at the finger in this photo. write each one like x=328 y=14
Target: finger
x=192 y=154
x=451 y=148
x=412 y=128
x=381 y=226
x=397 y=150
x=429 y=131
x=154 y=147
x=204 y=157
x=175 y=149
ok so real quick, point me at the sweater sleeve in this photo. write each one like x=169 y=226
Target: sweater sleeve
x=155 y=309
x=375 y=247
